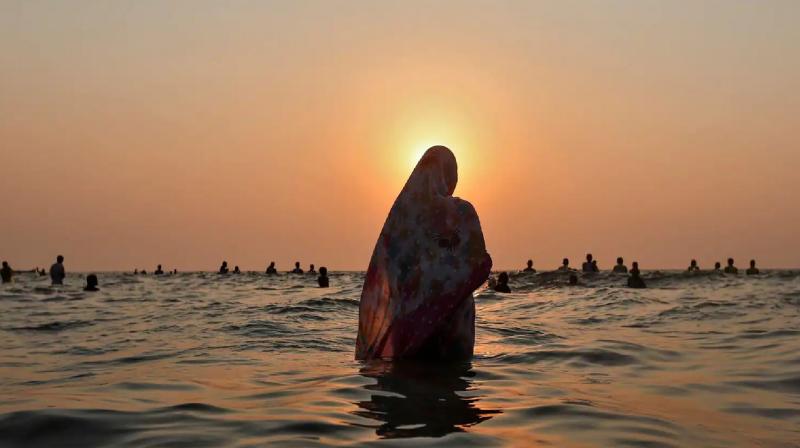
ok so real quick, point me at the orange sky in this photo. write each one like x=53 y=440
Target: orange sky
x=190 y=132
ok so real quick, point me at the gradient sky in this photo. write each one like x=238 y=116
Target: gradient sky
x=187 y=132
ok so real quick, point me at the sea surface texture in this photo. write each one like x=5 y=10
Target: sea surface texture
x=199 y=359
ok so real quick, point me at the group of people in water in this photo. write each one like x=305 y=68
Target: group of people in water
x=58 y=273
x=634 y=279
x=322 y=276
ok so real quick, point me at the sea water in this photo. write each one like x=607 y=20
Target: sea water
x=199 y=359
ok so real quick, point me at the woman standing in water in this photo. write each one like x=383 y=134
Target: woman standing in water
x=429 y=258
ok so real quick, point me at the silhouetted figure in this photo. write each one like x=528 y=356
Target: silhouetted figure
x=271 y=269
x=635 y=280
x=224 y=268
x=752 y=270
x=693 y=267
x=590 y=265
x=236 y=270
x=135 y=271
x=159 y=271
x=564 y=265
x=573 y=279
x=175 y=271
x=42 y=273
x=91 y=283
x=323 y=277
x=620 y=267
x=311 y=270
x=297 y=269
x=730 y=268
x=57 y=272
x=530 y=269
x=717 y=267
x=502 y=283
x=6 y=272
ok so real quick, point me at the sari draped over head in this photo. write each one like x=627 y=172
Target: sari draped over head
x=429 y=258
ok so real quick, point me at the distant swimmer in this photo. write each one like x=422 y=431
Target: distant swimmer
x=57 y=272
x=717 y=267
x=175 y=271
x=635 y=280
x=565 y=265
x=502 y=283
x=136 y=272
x=620 y=267
x=236 y=270
x=530 y=269
x=224 y=268
x=730 y=268
x=42 y=273
x=271 y=269
x=589 y=265
x=6 y=272
x=159 y=271
x=91 y=283
x=693 y=266
x=323 y=277
x=297 y=269
x=753 y=270
x=311 y=270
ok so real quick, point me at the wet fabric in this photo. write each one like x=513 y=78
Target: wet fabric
x=429 y=258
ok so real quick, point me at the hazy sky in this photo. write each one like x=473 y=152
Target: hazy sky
x=187 y=132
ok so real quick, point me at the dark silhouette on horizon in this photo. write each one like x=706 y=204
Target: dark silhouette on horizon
x=322 y=280
x=730 y=268
x=224 y=268
x=717 y=267
x=6 y=272
x=620 y=267
x=530 y=268
x=565 y=265
x=311 y=270
x=271 y=269
x=57 y=271
x=753 y=270
x=693 y=267
x=159 y=271
x=590 y=265
x=297 y=269
x=502 y=283
x=91 y=283
x=635 y=280
x=236 y=270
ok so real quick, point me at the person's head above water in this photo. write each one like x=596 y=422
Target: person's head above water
x=620 y=260
x=530 y=263
x=752 y=263
x=693 y=263
x=565 y=262
x=502 y=278
x=297 y=264
x=91 y=283
x=730 y=261
x=323 y=271
x=717 y=265
x=5 y=264
x=635 y=268
x=60 y=259
x=311 y=266
x=224 y=263
x=589 y=258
